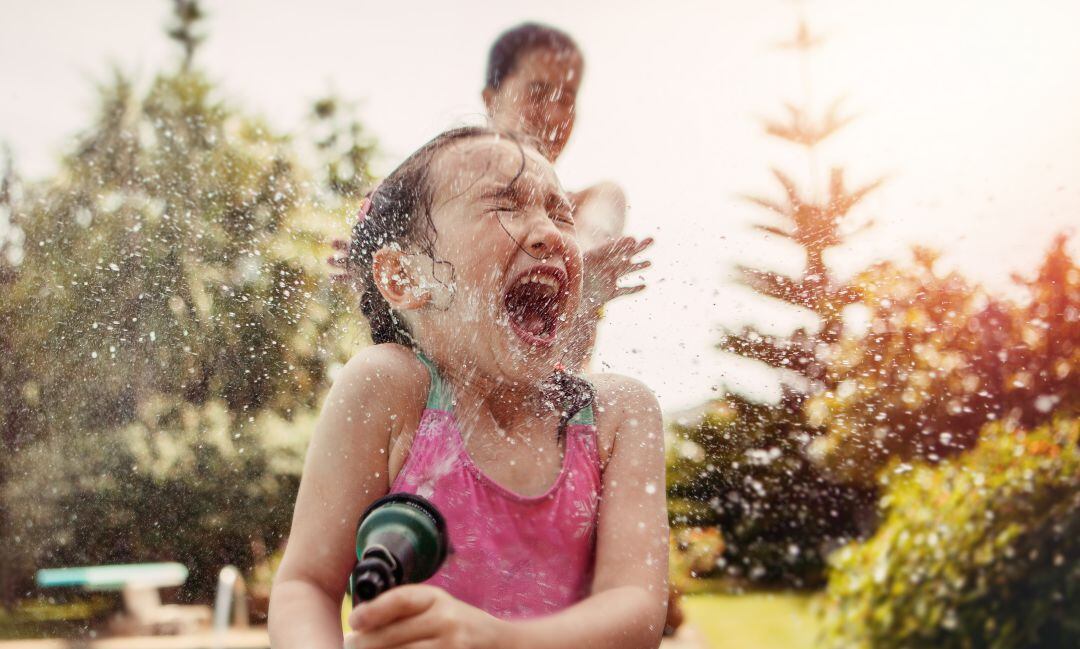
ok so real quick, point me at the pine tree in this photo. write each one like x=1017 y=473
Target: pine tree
x=746 y=461
x=814 y=224
x=186 y=15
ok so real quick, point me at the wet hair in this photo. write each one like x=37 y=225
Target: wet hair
x=400 y=213
x=514 y=43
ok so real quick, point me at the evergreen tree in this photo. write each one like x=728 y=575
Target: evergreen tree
x=814 y=224
x=746 y=460
x=186 y=16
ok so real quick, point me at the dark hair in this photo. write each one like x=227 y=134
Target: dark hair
x=400 y=213
x=514 y=43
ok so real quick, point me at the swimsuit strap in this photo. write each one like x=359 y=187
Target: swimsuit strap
x=440 y=396
x=584 y=398
x=583 y=417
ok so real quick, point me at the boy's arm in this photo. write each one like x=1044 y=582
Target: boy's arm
x=599 y=213
x=344 y=471
x=603 y=267
x=629 y=594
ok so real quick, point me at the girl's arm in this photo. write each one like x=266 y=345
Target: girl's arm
x=344 y=471
x=629 y=597
x=629 y=594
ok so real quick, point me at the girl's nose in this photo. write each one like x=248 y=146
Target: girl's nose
x=544 y=238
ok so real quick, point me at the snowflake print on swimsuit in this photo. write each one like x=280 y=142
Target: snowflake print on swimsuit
x=585 y=515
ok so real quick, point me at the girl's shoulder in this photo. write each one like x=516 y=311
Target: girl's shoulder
x=620 y=400
x=620 y=393
x=389 y=373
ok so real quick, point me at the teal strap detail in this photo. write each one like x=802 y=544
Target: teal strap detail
x=584 y=417
x=439 y=395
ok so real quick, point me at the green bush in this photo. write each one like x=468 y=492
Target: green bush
x=167 y=324
x=740 y=467
x=194 y=484
x=979 y=551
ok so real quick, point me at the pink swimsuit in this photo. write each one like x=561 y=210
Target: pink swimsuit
x=513 y=556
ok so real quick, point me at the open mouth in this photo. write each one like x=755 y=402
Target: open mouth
x=534 y=303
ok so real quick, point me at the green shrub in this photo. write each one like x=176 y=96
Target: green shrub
x=194 y=484
x=167 y=324
x=979 y=551
x=740 y=467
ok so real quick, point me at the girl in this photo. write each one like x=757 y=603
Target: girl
x=552 y=485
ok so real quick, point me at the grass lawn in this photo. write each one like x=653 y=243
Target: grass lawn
x=41 y=618
x=761 y=621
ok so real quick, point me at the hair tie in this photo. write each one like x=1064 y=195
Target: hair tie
x=365 y=205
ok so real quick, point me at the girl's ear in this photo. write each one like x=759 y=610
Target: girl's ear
x=395 y=280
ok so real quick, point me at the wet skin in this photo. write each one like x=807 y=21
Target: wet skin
x=500 y=213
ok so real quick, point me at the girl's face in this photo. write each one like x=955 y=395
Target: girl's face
x=538 y=97
x=503 y=225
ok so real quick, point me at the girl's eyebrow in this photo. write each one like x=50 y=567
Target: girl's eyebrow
x=503 y=192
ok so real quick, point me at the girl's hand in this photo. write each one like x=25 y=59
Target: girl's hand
x=421 y=617
x=605 y=265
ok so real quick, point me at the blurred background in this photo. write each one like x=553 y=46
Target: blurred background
x=862 y=319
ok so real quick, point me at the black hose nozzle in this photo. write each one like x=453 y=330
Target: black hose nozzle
x=401 y=539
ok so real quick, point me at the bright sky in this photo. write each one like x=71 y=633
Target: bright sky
x=968 y=106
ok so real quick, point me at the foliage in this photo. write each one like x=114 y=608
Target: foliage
x=38 y=618
x=979 y=551
x=730 y=468
x=941 y=358
x=167 y=316
x=343 y=148
x=693 y=551
x=185 y=482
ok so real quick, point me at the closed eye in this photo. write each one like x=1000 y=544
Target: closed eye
x=560 y=210
x=562 y=215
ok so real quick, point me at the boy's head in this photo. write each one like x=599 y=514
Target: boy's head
x=533 y=76
x=472 y=235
